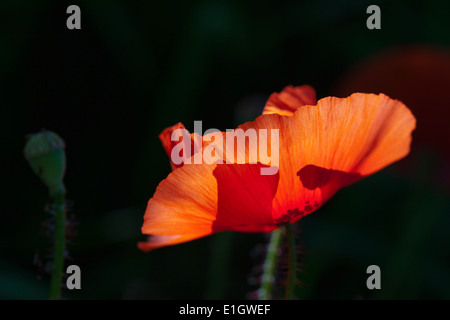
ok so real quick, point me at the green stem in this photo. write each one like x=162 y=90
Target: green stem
x=292 y=263
x=58 y=203
x=270 y=265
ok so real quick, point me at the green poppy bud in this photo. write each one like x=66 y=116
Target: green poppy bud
x=46 y=156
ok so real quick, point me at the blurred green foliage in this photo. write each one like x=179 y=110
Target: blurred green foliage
x=137 y=67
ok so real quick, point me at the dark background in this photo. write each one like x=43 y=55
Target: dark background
x=137 y=67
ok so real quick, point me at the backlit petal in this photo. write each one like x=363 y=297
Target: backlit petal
x=326 y=147
x=198 y=199
x=290 y=99
x=244 y=198
x=183 y=207
x=166 y=140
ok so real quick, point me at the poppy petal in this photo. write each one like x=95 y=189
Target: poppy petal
x=197 y=200
x=155 y=242
x=341 y=140
x=183 y=207
x=290 y=99
x=244 y=198
x=166 y=140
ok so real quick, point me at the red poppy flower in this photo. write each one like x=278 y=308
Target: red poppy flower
x=322 y=148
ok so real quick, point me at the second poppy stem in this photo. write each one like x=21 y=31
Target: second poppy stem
x=59 y=246
x=292 y=263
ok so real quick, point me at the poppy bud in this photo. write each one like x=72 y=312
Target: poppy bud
x=45 y=154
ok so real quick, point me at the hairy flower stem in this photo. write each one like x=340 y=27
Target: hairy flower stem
x=292 y=263
x=58 y=204
x=271 y=262
x=270 y=265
